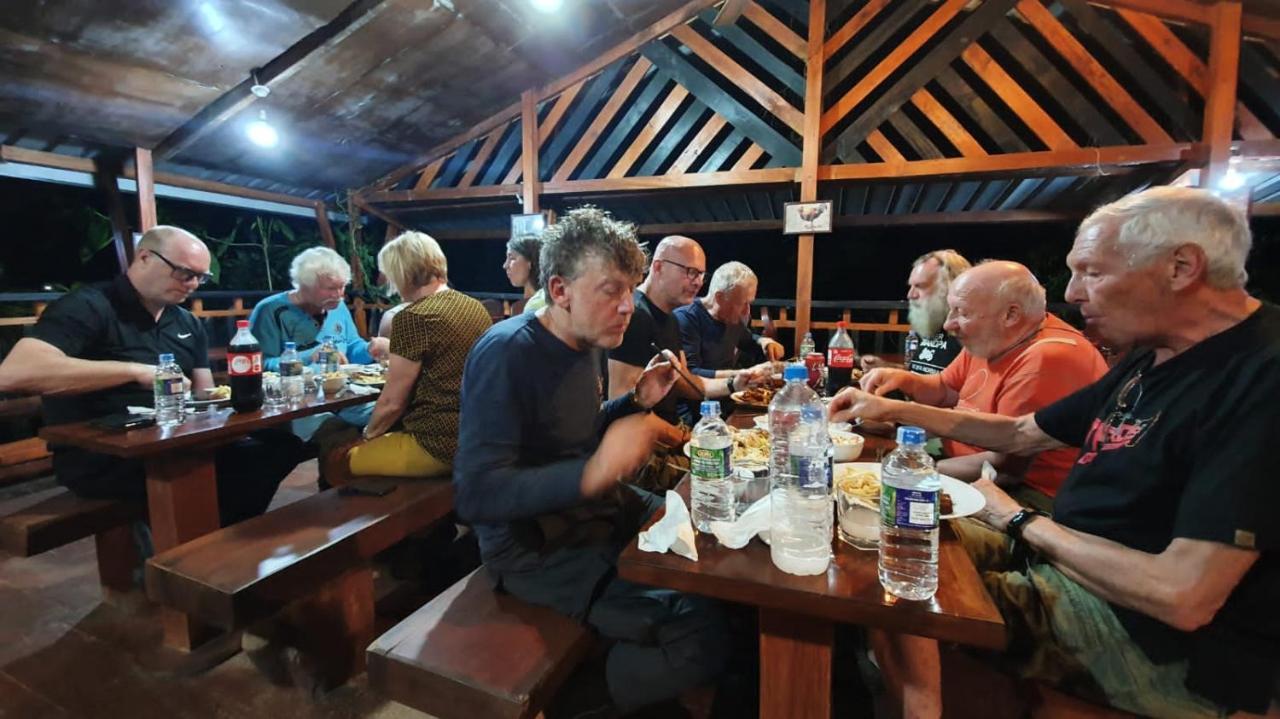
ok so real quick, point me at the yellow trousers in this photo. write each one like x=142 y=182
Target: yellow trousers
x=395 y=454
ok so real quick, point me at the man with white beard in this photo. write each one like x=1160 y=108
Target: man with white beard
x=929 y=349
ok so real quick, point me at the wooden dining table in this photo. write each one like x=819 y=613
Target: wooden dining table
x=182 y=494
x=797 y=615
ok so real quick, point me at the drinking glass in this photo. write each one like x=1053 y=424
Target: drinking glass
x=857 y=523
x=272 y=391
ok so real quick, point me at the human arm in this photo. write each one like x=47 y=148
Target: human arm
x=967 y=468
x=928 y=389
x=394 y=398
x=772 y=349
x=34 y=366
x=691 y=342
x=356 y=348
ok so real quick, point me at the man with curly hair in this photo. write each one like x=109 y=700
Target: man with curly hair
x=541 y=464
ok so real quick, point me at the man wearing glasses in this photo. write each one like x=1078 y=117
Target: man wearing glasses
x=93 y=353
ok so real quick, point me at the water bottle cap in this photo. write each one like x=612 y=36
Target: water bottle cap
x=166 y=358
x=290 y=346
x=910 y=435
x=710 y=408
x=795 y=372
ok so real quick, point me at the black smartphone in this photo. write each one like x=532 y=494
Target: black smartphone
x=122 y=422
x=368 y=488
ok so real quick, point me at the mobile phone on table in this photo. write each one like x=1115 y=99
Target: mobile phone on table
x=123 y=421
x=368 y=488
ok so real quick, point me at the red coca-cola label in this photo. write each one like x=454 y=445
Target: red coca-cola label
x=840 y=357
x=244 y=363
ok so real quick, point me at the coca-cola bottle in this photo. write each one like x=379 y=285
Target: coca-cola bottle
x=840 y=360
x=244 y=369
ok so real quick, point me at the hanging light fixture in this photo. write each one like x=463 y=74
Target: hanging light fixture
x=547 y=6
x=261 y=133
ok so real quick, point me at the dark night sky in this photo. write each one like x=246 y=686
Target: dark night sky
x=45 y=224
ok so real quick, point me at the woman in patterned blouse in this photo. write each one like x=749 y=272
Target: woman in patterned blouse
x=413 y=431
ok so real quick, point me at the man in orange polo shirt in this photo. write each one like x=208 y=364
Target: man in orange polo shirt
x=1017 y=358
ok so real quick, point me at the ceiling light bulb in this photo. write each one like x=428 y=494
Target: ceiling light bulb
x=547 y=6
x=1232 y=180
x=261 y=133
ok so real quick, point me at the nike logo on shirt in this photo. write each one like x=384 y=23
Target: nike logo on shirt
x=183 y=336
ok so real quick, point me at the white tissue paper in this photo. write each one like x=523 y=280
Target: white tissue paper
x=361 y=389
x=673 y=532
x=140 y=410
x=755 y=520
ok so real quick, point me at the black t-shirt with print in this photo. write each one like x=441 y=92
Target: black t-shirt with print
x=930 y=355
x=648 y=325
x=1185 y=450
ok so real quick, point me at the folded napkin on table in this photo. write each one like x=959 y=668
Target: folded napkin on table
x=673 y=532
x=140 y=410
x=361 y=389
x=755 y=520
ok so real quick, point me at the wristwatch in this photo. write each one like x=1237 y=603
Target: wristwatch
x=733 y=378
x=1020 y=520
x=634 y=401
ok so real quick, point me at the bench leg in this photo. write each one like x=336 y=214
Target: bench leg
x=117 y=559
x=331 y=630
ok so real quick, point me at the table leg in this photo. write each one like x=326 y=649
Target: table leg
x=182 y=503
x=795 y=665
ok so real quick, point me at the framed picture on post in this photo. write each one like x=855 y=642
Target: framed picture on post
x=807 y=218
x=532 y=224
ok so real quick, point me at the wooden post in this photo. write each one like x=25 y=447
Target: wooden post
x=357 y=269
x=530 y=183
x=326 y=230
x=106 y=176
x=809 y=162
x=145 y=176
x=1220 y=102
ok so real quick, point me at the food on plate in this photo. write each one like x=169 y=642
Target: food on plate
x=844 y=438
x=865 y=485
x=220 y=392
x=755 y=395
x=945 y=501
x=750 y=445
x=368 y=378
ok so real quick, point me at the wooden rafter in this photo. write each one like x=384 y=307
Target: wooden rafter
x=695 y=147
x=749 y=158
x=1027 y=109
x=946 y=122
x=283 y=66
x=1129 y=109
x=774 y=28
x=428 y=174
x=382 y=197
x=730 y=12
x=602 y=119
x=884 y=148
x=891 y=62
x=1184 y=10
x=852 y=27
x=557 y=112
x=649 y=132
x=740 y=77
x=1220 y=103
x=481 y=157
x=144 y=173
x=696 y=179
x=1080 y=159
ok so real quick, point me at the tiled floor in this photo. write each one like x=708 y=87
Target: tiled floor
x=66 y=653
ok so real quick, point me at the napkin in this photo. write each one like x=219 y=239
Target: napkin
x=361 y=389
x=755 y=520
x=140 y=410
x=673 y=532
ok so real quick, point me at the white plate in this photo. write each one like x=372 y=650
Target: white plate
x=965 y=500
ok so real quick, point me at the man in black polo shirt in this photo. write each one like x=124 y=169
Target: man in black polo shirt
x=1156 y=583
x=929 y=349
x=93 y=353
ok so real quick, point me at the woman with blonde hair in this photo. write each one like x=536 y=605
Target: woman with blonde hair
x=413 y=431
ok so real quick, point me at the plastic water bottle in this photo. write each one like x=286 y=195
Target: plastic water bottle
x=710 y=451
x=909 y=493
x=170 y=392
x=327 y=359
x=291 y=382
x=800 y=495
x=807 y=345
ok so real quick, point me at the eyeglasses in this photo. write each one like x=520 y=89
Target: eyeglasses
x=693 y=273
x=184 y=274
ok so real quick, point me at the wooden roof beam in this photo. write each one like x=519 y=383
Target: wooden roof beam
x=284 y=65
x=1199 y=12
x=730 y=12
x=1071 y=161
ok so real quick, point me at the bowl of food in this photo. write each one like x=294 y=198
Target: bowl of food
x=846 y=446
x=212 y=394
x=334 y=382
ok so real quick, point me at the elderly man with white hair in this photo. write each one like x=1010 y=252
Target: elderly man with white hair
x=1016 y=359
x=1154 y=586
x=929 y=348
x=312 y=312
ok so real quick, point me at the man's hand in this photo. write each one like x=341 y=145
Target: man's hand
x=623 y=450
x=773 y=349
x=851 y=403
x=883 y=381
x=758 y=375
x=379 y=348
x=145 y=375
x=870 y=362
x=655 y=381
x=1000 y=507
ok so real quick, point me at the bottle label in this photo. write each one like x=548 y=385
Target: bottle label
x=169 y=386
x=244 y=363
x=291 y=369
x=809 y=476
x=840 y=357
x=908 y=508
x=708 y=463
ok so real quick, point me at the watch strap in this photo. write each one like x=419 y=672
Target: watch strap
x=1019 y=521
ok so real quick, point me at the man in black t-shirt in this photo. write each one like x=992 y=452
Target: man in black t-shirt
x=675 y=275
x=928 y=348
x=1156 y=583
x=93 y=353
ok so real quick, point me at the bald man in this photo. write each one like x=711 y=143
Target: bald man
x=93 y=353
x=1017 y=358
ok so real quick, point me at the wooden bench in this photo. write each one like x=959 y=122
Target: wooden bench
x=23 y=460
x=475 y=652
x=64 y=518
x=305 y=564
